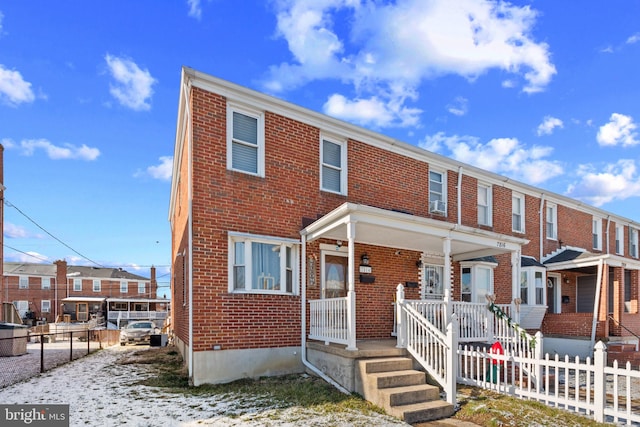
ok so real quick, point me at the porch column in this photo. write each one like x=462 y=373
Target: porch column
x=515 y=284
x=618 y=300
x=446 y=249
x=351 y=293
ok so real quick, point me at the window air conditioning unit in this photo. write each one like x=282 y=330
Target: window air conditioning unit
x=438 y=206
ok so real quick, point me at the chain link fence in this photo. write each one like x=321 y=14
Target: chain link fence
x=22 y=357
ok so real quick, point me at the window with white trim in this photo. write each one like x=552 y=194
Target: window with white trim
x=260 y=264
x=620 y=239
x=97 y=286
x=476 y=281
x=517 y=213
x=124 y=287
x=597 y=233
x=46 y=283
x=532 y=286
x=24 y=282
x=633 y=242
x=22 y=307
x=437 y=192
x=142 y=288
x=45 y=306
x=77 y=285
x=245 y=140
x=552 y=221
x=333 y=171
x=484 y=204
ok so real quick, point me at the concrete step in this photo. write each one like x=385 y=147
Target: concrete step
x=408 y=377
x=407 y=395
x=420 y=412
x=386 y=364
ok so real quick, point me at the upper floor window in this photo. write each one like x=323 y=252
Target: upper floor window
x=245 y=141
x=552 y=221
x=484 y=204
x=597 y=233
x=476 y=281
x=46 y=283
x=532 y=286
x=77 y=285
x=142 y=288
x=97 y=286
x=263 y=264
x=24 y=282
x=633 y=242
x=124 y=287
x=437 y=193
x=333 y=173
x=517 y=213
x=620 y=239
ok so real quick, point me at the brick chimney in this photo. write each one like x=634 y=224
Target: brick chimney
x=153 y=288
x=61 y=277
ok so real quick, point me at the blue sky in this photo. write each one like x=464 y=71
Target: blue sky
x=542 y=91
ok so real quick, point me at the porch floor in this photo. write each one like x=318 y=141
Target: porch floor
x=366 y=348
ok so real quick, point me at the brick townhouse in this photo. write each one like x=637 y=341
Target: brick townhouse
x=276 y=210
x=49 y=291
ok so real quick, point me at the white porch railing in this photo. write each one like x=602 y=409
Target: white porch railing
x=138 y=315
x=328 y=320
x=431 y=347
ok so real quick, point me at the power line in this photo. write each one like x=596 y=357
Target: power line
x=25 y=253
x=11 y=205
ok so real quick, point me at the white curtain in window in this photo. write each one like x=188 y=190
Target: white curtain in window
x=265 y=264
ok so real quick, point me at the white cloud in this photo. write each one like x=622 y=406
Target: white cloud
x=54 y=152
x=548 y=125
x=14 y=89
x=634 y=38
x=133 y=86
x=12 y=231
x=398 y=45
x=459 y=106
x=29 y=256
x=162 y=171
x=619 y=131
x=195 y=9
x=506 y=156
x=617 y=181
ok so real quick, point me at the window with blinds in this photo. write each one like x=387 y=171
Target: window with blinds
x=245 y=136
x=333 y=170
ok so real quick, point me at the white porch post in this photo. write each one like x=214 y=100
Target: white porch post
x=351 y=293
x=515 y=285
x=446 y=249
x=401 y=318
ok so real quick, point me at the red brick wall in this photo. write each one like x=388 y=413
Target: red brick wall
x=226 y=201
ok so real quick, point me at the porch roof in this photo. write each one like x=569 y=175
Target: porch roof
x=586 y=262
x=159 y=300
x=83 y=299
x=383 y=227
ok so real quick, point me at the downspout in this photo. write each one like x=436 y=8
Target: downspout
x=541 y=213
x=607 y=232
x=459 y=195
x=190 y=225
x=596 y=304
x=303 y=310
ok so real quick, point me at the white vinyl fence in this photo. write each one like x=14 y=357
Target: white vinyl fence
x=589 y=387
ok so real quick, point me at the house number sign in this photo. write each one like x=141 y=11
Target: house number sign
x=501 y=244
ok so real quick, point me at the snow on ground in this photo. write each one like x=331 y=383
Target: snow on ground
x=102 y=392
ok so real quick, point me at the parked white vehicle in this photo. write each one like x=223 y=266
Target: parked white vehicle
x=138 y=332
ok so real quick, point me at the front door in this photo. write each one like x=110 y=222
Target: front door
x=334 y=275
x=553 y=294
x=82 y=312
